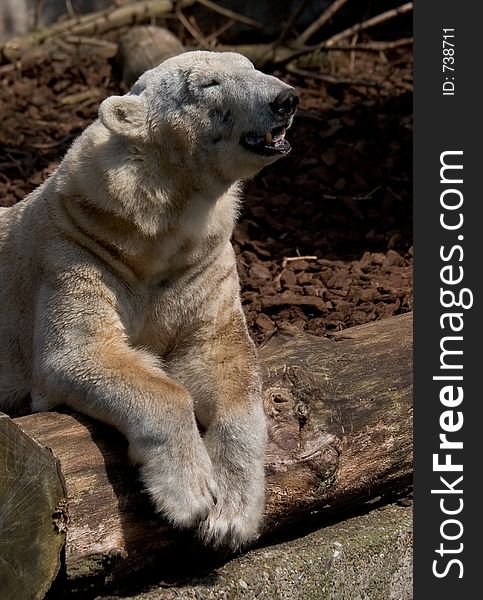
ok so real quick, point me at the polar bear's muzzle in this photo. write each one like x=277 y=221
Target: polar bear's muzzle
x=273 y=142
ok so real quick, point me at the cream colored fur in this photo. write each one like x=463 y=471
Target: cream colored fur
x=120 y=294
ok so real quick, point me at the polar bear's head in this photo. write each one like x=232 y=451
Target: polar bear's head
x=208 y=111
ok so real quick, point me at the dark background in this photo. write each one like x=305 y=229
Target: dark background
x=445 y=123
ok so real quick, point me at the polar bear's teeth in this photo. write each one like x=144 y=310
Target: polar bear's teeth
x=274 y=136
x=271 y=142
x=280 y=136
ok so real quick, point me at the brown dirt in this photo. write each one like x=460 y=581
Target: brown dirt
x=343 y=195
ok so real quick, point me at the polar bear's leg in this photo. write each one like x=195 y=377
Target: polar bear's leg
x=236 y=447
x=220 y=369
x=83 y=360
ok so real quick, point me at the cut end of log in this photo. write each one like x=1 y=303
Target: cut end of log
x=32 y=514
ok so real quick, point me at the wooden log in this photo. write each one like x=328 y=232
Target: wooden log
x=339 y=414
x=32 y=525
x=340 y=419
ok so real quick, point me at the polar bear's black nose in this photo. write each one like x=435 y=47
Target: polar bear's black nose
x=285 y=103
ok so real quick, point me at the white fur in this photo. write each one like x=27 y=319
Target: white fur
x=120 y=294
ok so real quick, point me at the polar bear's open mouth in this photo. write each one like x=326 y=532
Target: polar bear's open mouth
x=268 y=144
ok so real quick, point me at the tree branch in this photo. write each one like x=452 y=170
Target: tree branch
x=377 y=20
x=90 y=24
x=328 y=13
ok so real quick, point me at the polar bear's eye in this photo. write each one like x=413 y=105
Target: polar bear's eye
x=209 y=84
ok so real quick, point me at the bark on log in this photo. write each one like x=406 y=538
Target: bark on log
x=340 y=438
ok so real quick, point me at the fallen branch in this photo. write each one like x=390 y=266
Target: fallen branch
x=70 y=9
x=190 y=27
x=340 y=437
x=287 y=259
x=332 y=79
x=287 y=56
x=290 y=23
x=328 y=13
x=80 y=97
x=373 y=21
x=91 y=24
x=376 y=46
x=230 y=14
x=81 y=40
x=267 y=56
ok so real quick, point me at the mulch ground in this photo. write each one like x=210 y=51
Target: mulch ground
x=341 y=201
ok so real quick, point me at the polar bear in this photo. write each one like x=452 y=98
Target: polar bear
x=120 y=293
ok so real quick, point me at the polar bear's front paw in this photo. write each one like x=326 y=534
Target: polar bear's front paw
x=183 y=492
x=237 y=452
x=234 y=522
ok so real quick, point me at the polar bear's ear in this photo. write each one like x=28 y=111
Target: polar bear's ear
x=124 y=115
